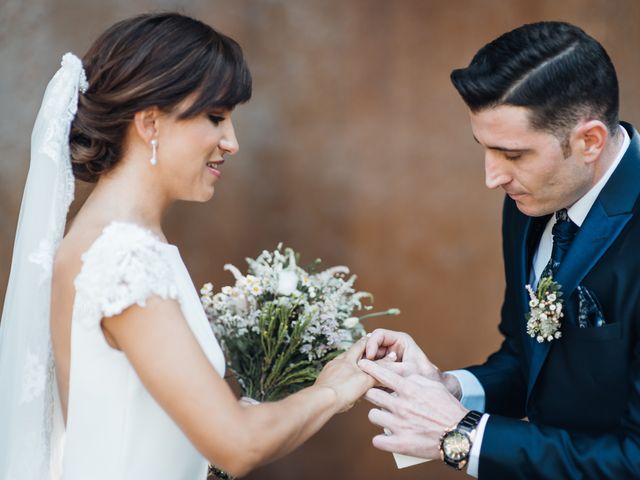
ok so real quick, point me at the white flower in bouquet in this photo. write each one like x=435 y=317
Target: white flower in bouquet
x=280 y=323
x=287 y=282
x=351 y=322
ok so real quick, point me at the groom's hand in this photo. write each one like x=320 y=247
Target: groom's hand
x=415 y=415
x=383 y=343
x=400 y=347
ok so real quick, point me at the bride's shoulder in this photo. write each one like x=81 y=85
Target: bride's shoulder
x=126 y=248
x=107 y=242
x=122 y=246
x=125 y=264
x=124 y=237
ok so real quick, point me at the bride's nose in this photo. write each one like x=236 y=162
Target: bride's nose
x=229 y=142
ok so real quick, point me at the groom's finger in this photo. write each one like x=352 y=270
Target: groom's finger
x=379 y=339
x=382 y=352
x=380 y=398
x=388 y=443
x=383 y=375
x=400 y=368
x=382 y=419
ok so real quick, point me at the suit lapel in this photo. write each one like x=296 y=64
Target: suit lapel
x=610 y=213
x=531 y=234
x=525 y=261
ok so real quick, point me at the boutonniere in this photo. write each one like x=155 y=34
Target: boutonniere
x=543 y=318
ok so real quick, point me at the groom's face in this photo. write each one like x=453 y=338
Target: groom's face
x=528 y=164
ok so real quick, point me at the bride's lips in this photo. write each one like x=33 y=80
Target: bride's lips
x=214 y=167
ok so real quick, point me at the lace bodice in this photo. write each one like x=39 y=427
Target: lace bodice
x=123 y=267
x=115 y=428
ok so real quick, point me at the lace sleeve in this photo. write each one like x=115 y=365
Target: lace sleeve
x=125 y=266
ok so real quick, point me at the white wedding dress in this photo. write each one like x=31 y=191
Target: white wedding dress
x=115 y=428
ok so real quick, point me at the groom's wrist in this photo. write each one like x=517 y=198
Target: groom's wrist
x=452 y=384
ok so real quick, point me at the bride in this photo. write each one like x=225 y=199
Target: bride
x=108 y=367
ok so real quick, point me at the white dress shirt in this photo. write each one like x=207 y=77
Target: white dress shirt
x=473 y=396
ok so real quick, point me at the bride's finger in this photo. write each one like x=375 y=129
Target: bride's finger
x=389 y=357
x=356 y=351
x=248 y=401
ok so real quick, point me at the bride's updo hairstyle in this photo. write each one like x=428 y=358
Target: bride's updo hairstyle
x=153 y=60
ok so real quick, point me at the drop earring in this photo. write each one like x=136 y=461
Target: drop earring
x=154 y=158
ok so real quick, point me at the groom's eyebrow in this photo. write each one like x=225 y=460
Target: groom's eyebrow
x=502 y=149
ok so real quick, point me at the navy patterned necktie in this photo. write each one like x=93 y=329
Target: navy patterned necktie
x=563 y=233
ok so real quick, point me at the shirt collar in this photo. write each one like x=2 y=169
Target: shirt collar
x=579 y=210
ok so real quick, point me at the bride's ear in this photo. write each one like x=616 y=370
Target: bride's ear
x=145 y=123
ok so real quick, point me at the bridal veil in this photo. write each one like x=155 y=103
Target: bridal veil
x=31 y=425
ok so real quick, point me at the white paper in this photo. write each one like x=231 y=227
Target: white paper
x=403 y=461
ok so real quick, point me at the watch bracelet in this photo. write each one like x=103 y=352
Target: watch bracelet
x=470 y=421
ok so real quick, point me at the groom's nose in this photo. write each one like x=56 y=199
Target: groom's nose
x=495 y=172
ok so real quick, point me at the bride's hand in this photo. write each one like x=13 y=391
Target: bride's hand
x=248 y=402
x=345 y=378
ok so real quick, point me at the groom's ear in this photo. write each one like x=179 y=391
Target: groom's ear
x=589 y=139
x=145 y=124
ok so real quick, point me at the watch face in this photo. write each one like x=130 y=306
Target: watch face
x=456 y=446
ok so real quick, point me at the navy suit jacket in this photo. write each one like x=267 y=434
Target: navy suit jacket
x=581 y=393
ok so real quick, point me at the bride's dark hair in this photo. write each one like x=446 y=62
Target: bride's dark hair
x=146 y=61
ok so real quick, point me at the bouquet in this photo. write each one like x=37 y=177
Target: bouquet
x=280 y=323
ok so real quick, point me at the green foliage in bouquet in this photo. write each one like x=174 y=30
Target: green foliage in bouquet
x=280 y=323
x=278 y=368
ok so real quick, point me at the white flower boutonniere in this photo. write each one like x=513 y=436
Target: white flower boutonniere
x=543 y=318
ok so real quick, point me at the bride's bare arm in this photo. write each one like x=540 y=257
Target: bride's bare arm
x=175 y=370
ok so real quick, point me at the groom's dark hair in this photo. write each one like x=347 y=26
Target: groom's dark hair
x=557 y=71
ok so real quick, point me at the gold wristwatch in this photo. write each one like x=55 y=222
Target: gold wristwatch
x=456 y=443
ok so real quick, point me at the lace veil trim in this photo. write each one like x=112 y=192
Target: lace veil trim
x=30 y=417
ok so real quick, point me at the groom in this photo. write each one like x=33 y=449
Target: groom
x=543 y=102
